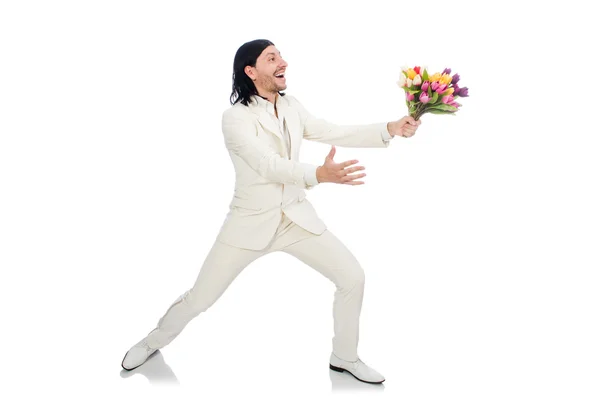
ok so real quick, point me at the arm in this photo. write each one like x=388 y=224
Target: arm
x=240 y=139
x=319 y=130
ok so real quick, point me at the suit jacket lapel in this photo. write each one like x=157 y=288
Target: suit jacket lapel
x=268 y=123
x=265 y=120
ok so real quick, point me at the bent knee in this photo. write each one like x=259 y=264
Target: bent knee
x=356 y=279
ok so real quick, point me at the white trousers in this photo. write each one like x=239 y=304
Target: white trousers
x=325 y=253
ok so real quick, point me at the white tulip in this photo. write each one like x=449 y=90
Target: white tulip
x=402 y=80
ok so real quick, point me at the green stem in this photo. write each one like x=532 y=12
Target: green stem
x=419 y=110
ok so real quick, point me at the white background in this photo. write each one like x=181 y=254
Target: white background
x=479 y=235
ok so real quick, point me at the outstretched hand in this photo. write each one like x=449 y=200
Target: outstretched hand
x=340 y=173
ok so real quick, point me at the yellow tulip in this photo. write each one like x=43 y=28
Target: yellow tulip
x=411 y=73
x=434 y=77
x=449 y=91
x=445 y=79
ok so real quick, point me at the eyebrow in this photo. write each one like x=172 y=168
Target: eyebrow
x=272 y=53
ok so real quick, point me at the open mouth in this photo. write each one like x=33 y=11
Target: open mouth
x=280 y=76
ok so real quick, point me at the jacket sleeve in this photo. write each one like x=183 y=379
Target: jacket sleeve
x=240 y=139
x=320 y=130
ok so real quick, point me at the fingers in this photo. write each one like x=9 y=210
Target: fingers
x=342 y=173
x=331 y=153
x=409 y=120
x=410 y=129
x=348 y=179
x=347 y=163
x=351 y=170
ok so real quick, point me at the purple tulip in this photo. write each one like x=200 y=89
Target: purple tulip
x=455 y=78
x=435 y=85
x=425 y=85
x=462 y=92
x=424 y=98
x=447 y=71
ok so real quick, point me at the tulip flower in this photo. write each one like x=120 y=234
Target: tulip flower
x=464 y=92
x=409 y=83
x=446 y=99
x=447 y=71
x=417 y=80
x=435 y=85
x=410 y=73
x=440 y=89
x=425 y=85
x=435 y=77
x=402 y=80
x=445 y=79
x=409 y=96
x=455 y=78
x=417 y=69
x=448 y=91
x=424 y=98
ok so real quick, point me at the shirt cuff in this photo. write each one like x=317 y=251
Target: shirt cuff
x=310 y=174
x=385 y=135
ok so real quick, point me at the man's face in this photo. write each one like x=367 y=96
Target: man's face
x=269 y=65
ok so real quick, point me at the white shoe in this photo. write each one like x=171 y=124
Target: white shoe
x=137 y=355
x=357 y=368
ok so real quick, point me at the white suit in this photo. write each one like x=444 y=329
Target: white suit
x=269 y=212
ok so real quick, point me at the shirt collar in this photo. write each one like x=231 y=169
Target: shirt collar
x=265 y=104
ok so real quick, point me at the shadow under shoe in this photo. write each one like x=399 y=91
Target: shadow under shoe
x=156 y=370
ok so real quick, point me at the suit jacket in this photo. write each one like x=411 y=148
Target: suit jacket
x=268 y=183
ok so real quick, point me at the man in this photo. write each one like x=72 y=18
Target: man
x=263 y=130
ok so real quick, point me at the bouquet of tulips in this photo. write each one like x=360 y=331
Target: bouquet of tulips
x=434 y=93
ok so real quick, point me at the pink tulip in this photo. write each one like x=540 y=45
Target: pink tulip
x=447 y=99
x=424 y=98
x=441 y=88
x=453 y=104
x=435 y=85
x=425 y=85
x=409 y=96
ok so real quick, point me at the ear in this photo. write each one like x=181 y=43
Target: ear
x=249 y=72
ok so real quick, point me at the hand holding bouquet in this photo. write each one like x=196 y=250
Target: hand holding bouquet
x=434 y=93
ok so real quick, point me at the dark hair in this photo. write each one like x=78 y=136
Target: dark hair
x=242 y=86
